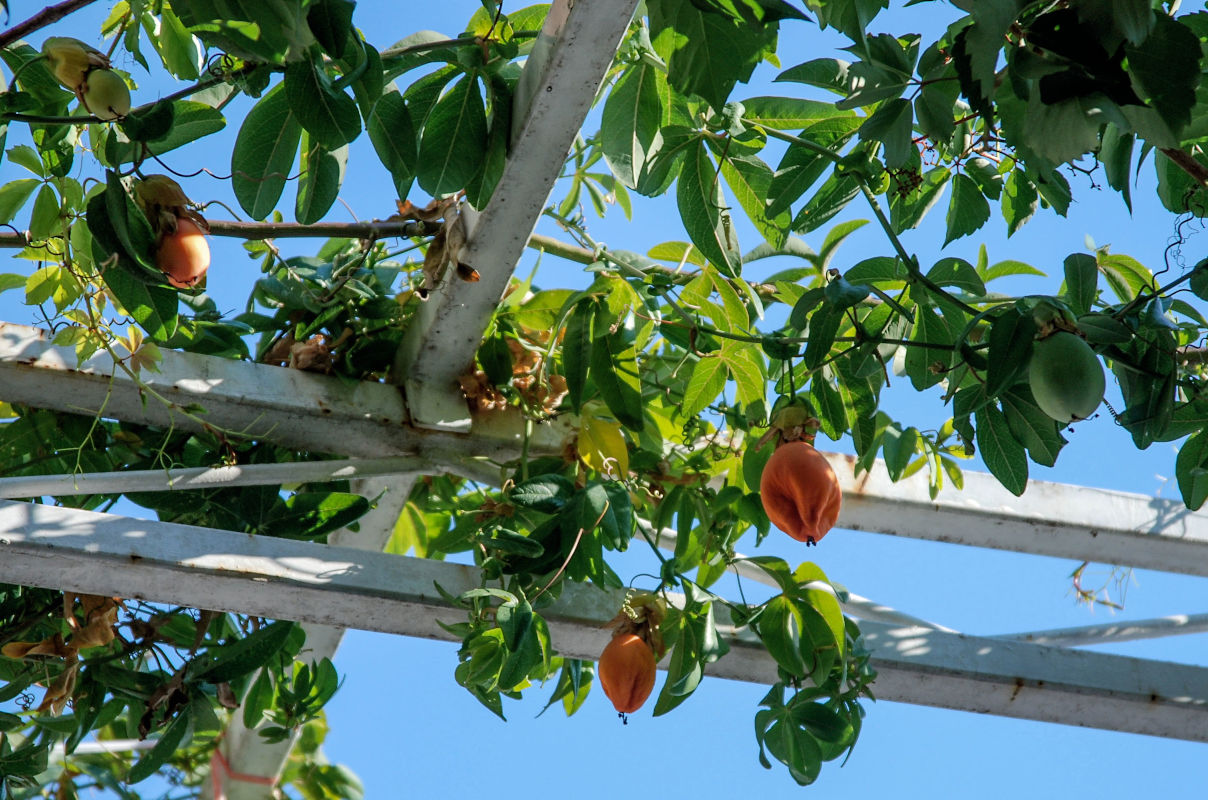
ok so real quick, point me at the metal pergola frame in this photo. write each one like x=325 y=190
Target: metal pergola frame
x=391 y=437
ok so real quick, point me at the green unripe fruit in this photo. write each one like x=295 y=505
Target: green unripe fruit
x=1066 y=377
x=106 y=94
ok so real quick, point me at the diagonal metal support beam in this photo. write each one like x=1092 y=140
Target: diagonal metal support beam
x=559 y=84
x=100 y=554
x=1122 y=631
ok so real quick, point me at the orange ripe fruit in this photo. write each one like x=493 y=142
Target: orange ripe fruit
x=626 y=672
x=800 y=492
x=184 y=255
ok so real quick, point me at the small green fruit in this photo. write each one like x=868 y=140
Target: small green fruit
x=106 y=94
x=1066 y=377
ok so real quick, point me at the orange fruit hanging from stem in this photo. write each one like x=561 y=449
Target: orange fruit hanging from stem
x=800 y=492
x=627 y=671
x=184 y=254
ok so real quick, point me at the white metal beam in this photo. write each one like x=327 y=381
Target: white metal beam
x=568 y=62
x=1052 y=519
x=293 y=472
x=100 y=554
x=287 y=406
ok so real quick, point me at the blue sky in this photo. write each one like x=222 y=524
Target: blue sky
x=405 y=727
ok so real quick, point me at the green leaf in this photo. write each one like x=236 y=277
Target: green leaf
x=36 y=78
x=482 y=185
x=825 y=73
x=254 y=29
x=629 y=128
x=44 y=220
x=823 y=327
x=453 y=146
x=835 y=237
x=11 y=280
x=608 y=513
x=13 y=196
x=1167 y=67
x=705 y=384
x=878 y=269
x=243 y=656
x=547 y=493
x=310 y=515
x=802 y=166
x=899 y=447
x=127 y=221
x=264 y=152
x=1003 y=269
x=959 y=273
x=331 y=23
x=1191 y=470
x=829 y=200
x=330 y=116
x=182 y=54
x=190 y=121
x=780 y=627
x=706 y=53
x=1116 y=155
x=154 y=308
x=1033 y=428
x=749 y=178
x=1019 y=201
x=705 y=215
x=747 y=368
x=1011 y=336
x=825 y=605
x=576 y=351
x=789 y=744
x=515 y=619
x=322 y=177
x=790 y=113
x=824 y=723
x=892 y=125
x=967 y=211
x=1081 y=282
x=927 y=366
x=394 y=139
x=174 y=737
x=259 y=699
x=154 y=123
x=573 y=686
x=614 y=370
x=933 y=107
x=908 y=207
x=1127 y=277
x=1003 y=454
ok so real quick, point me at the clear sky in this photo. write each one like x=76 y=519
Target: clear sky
x=407 y=729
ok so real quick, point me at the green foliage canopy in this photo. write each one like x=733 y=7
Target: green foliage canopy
x=671 y=363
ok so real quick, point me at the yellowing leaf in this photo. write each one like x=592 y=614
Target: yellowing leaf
x=602 y=447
